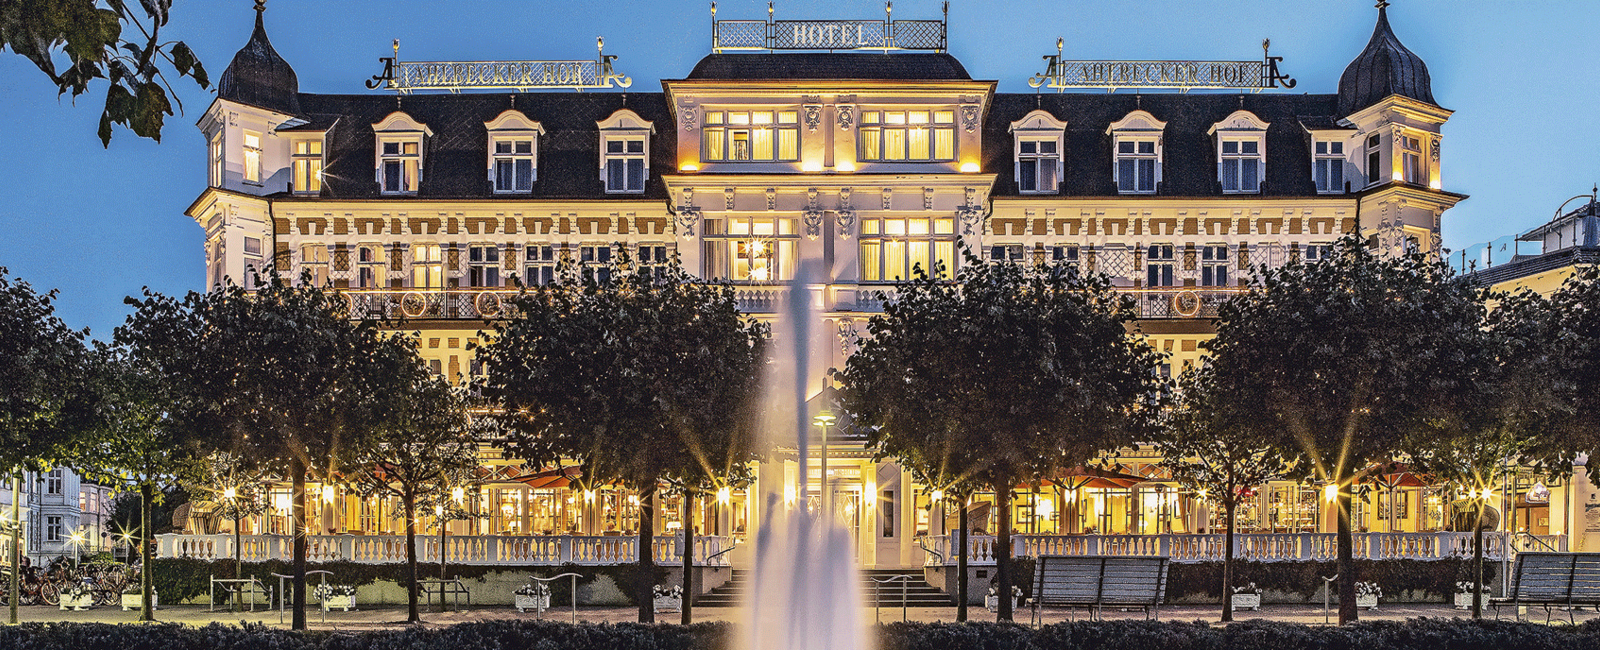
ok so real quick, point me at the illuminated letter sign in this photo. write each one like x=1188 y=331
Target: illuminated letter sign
x=1183 y=75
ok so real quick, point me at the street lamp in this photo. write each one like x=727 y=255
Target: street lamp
x=824 y=419
x=77 y=546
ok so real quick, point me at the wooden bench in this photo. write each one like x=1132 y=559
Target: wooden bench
x=1096 y=581
x=1569 y=580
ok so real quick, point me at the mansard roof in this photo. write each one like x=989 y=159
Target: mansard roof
x=1189 y=158
x=1384 y=68
x=810 y=66
x=257 y=76
x=453 y=159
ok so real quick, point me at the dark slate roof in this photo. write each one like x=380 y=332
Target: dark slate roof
x=901 y=66
x=259 y=77
x=314 y=123
x=455 y=159
x=1189 y=165
x=1525 y=265
x=1385 y=68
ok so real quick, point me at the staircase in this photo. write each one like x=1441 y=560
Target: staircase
x=918 y=593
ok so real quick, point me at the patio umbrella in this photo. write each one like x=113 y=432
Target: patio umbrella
x=557 y=478
x=1084 y=476
x=1392 y=476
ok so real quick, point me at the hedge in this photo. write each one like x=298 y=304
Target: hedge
x=1416 y=634
x=1437 y=578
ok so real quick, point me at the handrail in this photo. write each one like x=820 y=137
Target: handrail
x=538 y=613
x=731 y=545
x=877 y=595
x=1536 y=538
x=930 y=551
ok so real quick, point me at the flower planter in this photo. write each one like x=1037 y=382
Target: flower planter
x=1366 y=602
x=345 y=603
x=993 y=603
x=78 y=603
x=1251 y=602
x=136 y=601
x=668 y=604
x=1464 y=601
x=535 y=603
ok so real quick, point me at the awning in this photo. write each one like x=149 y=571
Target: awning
x=556 y=479
x=1394 y=475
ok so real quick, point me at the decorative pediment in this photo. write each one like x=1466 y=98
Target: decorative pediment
x=399 y=122
x=626 y=120
x=1038 y=121
x=1137 y=121
x=1240 y=121
x=513 y=121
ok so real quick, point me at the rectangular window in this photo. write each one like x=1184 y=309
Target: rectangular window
x=401 y=162
x=1328 y=166
x=314 y=260
x=1037 y=165
x=916 y=136
x=1241 y=166
x=1374 y=157
x=52 y=529
x=652 y=259
x=1136 y=166
x=1159 y=265
x=1411 y=161
x=751 y=136
x=513 y=166
x=1214 y=266
x=369 y=267
x=484 y=265
x=1318 y=252
x=895 y=249
x=1006 y=253
x=625 y=166
x=427 y=267
x=252 y=157
x=539 y=265
x=751 y=249
x=53 y=483
x=596 y=261
x=216 y=158
x=307 y=166
x=1064 y=254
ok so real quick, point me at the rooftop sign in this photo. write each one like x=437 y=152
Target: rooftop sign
x=881 y=35
x=1181 y=75
x=456 y=76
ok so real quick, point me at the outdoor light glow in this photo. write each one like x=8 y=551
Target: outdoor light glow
x=759 y=275
x=811 y=166
x=458 y=494
x=588 y=495
x=1330 y=491
x=757 y=247
x=724 y=495
x=688 y=167
x=230 y=493
x=938 y=495
x=1203 y=493
x=1046 y=508
x=633 y=499
x=969 y=168
x=327 y=493
x=77 y=537
x=788 y=494
x=280 y=501
x=845 y=166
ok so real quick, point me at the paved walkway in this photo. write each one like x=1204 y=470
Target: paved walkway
x=392 y=617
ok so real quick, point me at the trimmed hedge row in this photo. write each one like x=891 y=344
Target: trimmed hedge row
x=1437 y=578
x=1417 y=634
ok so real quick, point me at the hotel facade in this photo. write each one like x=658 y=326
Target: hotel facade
x=864 y=146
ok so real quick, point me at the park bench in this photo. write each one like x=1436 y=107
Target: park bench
x=1096 y=581
x=1568 y=580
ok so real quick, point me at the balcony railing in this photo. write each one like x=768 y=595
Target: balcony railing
x=1259 y=547
x=523 y=550
x=428 y=304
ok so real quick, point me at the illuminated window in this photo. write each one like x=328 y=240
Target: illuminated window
x=483 y=263
x=369 y=266
x=751 y=136
x=401 y=162
x=893 y=248
x=751 y=249
x=314 y=260
x=1159 y=266
x=216 y=158
x=1411 y=160
x=1327 y=165
x=1214 y=266
x=625 y=165
x=1136 y=166
x=539 y=264
x=920 y=136
x=427 y=267
x=307 y=166
x=1241 y=166
x=252 y=157
x=1038 y=166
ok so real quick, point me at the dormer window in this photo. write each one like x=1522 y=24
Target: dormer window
x=1241 y=141
x=1327 y=164
x=513 y=152
x=399 y=140
x=252 y=157
x=1040 y=139
x=1137 y=144
x=625 y=152
x=307 y=165
x=751 y=136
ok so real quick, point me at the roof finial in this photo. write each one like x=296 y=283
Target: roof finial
x=261 y=6
x=1382 y=4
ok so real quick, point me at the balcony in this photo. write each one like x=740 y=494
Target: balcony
x=428 y=304
x=518 y=550
x=1257 y=547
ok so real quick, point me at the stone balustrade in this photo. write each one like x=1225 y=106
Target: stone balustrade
x=1259 y=547
x=518 y=550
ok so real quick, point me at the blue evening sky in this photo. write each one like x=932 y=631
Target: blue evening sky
x=100 y=224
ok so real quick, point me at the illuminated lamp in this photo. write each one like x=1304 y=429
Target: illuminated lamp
x=969 y=168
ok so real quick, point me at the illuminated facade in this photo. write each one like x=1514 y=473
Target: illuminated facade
x=869 y=162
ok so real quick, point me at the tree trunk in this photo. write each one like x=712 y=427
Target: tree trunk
x=412 y=616
x=1477 y=563
x=16 y=541
x=1347 y=562
x=961 y=562
x=645 y=578
x=688 y=559
x=1229 y=505
x=297 y=528
x=146 y=527
x=1002 y=553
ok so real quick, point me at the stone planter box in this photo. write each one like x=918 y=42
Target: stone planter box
x=1464 y=601
x=993 y=603
x=1251 y=602
x=77 y=604
x=1366 y=602
x=668 y=604
x=345 y=603
x=535 y=603
x=136 y=601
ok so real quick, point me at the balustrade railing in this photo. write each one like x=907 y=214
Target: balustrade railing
x=535 y=550
x=1260 y=547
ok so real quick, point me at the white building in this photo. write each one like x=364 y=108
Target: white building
x=62 y=516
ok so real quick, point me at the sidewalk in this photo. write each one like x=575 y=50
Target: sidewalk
x=393 y=617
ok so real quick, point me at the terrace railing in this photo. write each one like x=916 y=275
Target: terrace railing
x=522 y=550
x=1259 y=547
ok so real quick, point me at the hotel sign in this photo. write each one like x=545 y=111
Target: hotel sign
x=881 y=35
x=456 y=76
x=1260 y=75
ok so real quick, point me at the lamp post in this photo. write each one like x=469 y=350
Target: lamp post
x=77 y=546
x=824 y=420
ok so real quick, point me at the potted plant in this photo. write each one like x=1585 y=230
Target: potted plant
x=77 y=596
x=1367 y=595
x=1464 y=594
x=1247 y=597
x=667 y=599
x=534 y=596
x=133 y=598
x=336 y=596
x=992 y=601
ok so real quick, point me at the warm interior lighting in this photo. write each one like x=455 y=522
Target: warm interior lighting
x=811 y=166
x=588 y=496
x=788 y=494
x=938 y=495
x=327 y=493
x=1046 y=508
x=688 y=167
x=724 y=495
x=438 y=510
x=969 y=168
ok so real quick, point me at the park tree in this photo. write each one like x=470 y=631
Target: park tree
x=46 y=393
x=1576 y=363
x=423 y=449
x=236 y=491
x=280 y=376
x=75 y=42
x=640 y=377
x=1002 y=377
x=1209 y=451
x=1340 y=360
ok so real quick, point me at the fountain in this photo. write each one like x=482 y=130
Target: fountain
x=806 y=591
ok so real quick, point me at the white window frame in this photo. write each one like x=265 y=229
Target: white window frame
x=1034 y=131
x=510 y=128
x=427 y=265
x=539 y=262
x=1375 y=171
x=251 y=155
x=306 y=162
x=752 y=249
x=218 y=159
x=483 y=265
x=1135 y=129
x=892 y=246
x=1234 y=137
x=1328 y=160
x=371 y=270
x=1007 y=253
x=1214 y=265
x=55 y=482
x=1161 y=256
x=1064 y=254
x=596 y=259
x=937 y=124
x=1316 y=252
x=653 y=257
x=53 y=528
x=400 y=130
x=1413 y=165
x=623 y=127
x=781 y=127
